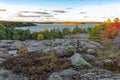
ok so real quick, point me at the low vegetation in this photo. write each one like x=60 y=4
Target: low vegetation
x=108 y=33
x=36 y=66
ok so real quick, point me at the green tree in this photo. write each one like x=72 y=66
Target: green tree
x=16 y=35
x=65 y=31
x=25 y=35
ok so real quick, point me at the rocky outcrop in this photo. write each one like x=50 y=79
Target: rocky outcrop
x=8 y=75
x=81 y=68
x=77 y=60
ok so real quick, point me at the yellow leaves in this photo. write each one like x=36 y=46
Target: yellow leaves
x=33 y=32
x=107 y=34
x=97 y=25
x=108 y=21
x=72 y=30
x=114 y=32
x=22 y=49
x=81 y=27
x=40 y=36
x=116 y=19
x=44 y=30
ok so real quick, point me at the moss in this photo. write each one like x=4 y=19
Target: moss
x=69 y=52
x=52 y=54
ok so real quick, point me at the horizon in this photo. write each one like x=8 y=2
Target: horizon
x=59 y=11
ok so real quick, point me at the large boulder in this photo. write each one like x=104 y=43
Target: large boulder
x=88 y=57
x=58 y=42
x=68 y=72
x=91 y=51
x=47 y=42
x=59 y=50
x=34 y=45
x=8 y=75
x=4 y=55
x=77 y=60
x=15 y=45
x=90 y=44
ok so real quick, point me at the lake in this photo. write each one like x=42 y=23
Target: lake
x=39 y=27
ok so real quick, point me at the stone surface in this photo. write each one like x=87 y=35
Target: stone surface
x=58 y=42
x=91 y=51
x=60 y=52
x=4 y=55
x=77 y=60
x=55 y=76
x=88 y=57
x=67 y=72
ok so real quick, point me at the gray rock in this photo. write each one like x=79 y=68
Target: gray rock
x=106 y=79
x=34 y=45
x=99 y=64
x=16 y=77
x=47 y=50
x=67 y=72
x=2 y=78
x=5 y=73
x=47 y=42
x=98 y=45
x=37 y=48
x=77 y=60
x=107 y=61
x=12 y=52
x=72 y=47
x=55 y=76
x=5 y=43
x=59 y=51
x=16 y=44
x=4 y=55
x=89 y=57
x=58 y=42
x=91 y=51
x=1 y=60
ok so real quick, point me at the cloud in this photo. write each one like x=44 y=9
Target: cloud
x=59 y=11
x=82 y=13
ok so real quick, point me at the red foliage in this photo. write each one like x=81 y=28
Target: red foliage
x=115 y=24
x=111 y=31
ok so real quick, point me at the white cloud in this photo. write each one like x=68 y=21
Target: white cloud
x=93 y=13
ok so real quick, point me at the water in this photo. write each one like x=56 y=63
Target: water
x=39 y=27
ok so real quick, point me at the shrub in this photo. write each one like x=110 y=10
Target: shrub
x=36 y=66
x=111 y=31
x=22 y=49
x=69 y=52
x=72 y=30
x=34 y=35
x=65 y=31
x=40 y=36
x=115 y=67
x=44 y=30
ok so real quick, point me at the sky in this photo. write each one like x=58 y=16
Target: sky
x=59 y=10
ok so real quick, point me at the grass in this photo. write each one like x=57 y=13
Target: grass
x=114 y=55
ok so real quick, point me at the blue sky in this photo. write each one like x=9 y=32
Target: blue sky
x=60 y=3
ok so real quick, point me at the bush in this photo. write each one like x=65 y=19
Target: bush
x=22 y=49
x=69 y=52
x=40 y=36
x=114 y=66
x=44 y=30
x=36 y=66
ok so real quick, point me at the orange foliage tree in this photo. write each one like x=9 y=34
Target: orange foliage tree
x=111 y=31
